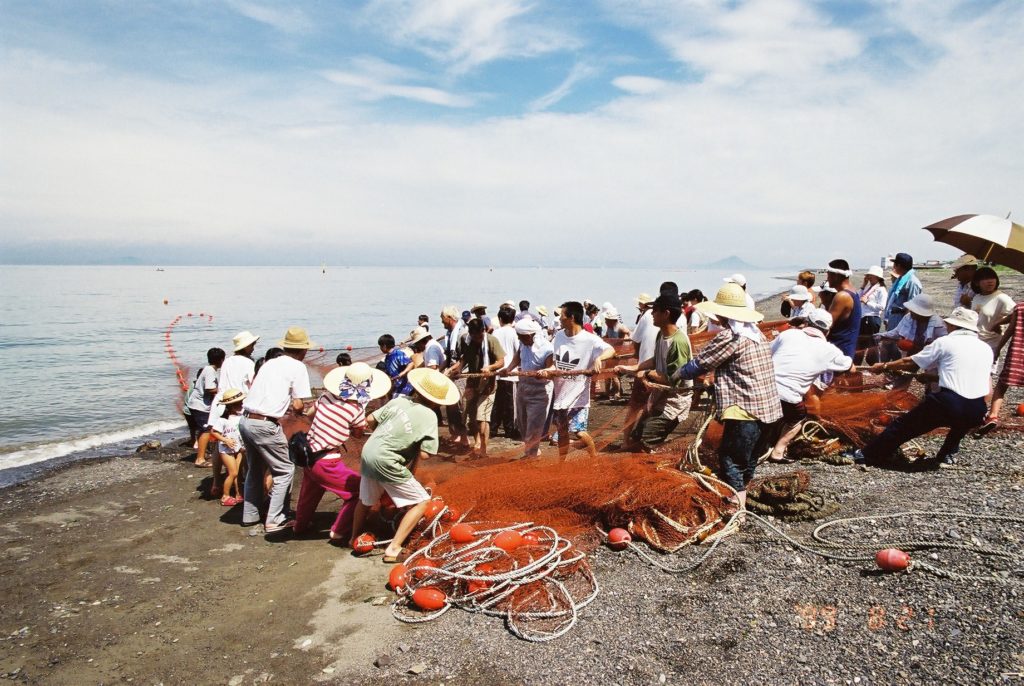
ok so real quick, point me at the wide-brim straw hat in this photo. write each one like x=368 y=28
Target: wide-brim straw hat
x=417 y=335
x=434 y=386
x=243 y=340
x=478 y=306
x=232 y=396
x=963 y=261
x=730 y=302
x=357 y=373
x=921 y=304
x=963 y=318
x=296 y=338
x=542 y=311
x=876 y=271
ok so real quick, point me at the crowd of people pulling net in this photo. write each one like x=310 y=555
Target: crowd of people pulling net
x=614 y=447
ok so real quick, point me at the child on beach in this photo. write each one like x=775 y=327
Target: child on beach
x=232 y=453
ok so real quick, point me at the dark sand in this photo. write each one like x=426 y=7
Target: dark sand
x=119 y=571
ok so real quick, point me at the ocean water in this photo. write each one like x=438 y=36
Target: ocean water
x=82 y=350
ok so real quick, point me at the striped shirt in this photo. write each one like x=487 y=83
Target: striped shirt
x=744 y=375
x=333 y=423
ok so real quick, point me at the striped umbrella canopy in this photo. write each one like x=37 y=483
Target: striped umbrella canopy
x=989 y=238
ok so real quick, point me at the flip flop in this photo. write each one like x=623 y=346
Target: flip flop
x=205 y=464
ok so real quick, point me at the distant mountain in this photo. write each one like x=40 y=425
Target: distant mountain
x=731 y=263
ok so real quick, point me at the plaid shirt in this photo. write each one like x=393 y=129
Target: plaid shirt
x=744 y=375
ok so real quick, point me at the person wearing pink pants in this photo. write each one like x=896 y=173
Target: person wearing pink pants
x=338 y=413
x=328 y=474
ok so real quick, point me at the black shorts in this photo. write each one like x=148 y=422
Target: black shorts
x=793 y=412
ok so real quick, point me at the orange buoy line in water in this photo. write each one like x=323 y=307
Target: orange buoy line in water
x=179 y=368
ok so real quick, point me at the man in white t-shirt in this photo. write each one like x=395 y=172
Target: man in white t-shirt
x=575 y=350
x=454 y=328
x=503 y=415
x=963 y=362
x=238 y=372
x=281 y=385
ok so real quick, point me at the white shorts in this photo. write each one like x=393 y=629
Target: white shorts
x=403 y=495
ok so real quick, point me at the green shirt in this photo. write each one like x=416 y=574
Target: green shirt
x=672 y=354
x=404 y=428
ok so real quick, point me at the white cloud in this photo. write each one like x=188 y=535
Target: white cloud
x=730 y=43
x=466 y=33
x=284 y=19
x=690 y=172
x=578 y=72
x=638 y=85
x=375 y=79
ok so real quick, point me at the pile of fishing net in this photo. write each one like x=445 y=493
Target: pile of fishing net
x=789 y=496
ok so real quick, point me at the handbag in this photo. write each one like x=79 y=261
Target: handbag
x=299 y=452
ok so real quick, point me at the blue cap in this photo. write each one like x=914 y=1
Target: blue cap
x=903 y=259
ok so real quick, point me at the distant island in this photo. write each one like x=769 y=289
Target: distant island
x=731 y=264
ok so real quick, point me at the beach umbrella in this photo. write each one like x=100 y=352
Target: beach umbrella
x=989 y=238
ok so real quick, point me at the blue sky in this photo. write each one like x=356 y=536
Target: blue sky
x=783 y=131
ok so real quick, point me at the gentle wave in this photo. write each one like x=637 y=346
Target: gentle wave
x=50 y=451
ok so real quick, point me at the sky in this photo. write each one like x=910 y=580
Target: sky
x=605 y=132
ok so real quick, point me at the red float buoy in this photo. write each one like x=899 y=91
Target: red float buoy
x=364 y=543
x=1020 y=410
x=434 y=507
x=462 y=533
x=905 y=344
x=885 y=419
x=399 y=577
x=429 y=598
x=452 y=514
x=892 y=560
x=426 y=564
x=618 y=539
x=508 y=540
x=531 y=539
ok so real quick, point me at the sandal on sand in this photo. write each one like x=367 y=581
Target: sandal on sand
x=229 y=501
x=392 y=559
x=205 y=464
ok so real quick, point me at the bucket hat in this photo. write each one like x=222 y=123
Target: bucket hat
x=296 y=338
x=527 y=327
x=799 y=292
x=737 y=279
x=434 y=386
x=921 y=304
x=820 y=318
x=358 y=373
x=876 y=271
x=963 y=318
x=243 y=340
x=417 y=335
x=730 y=302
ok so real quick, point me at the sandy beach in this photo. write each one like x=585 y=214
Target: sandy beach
x=122 y=571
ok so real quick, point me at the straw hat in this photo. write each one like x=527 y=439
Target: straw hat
x=731 y=303
x=921 y=304
x=434 y=386
x=527 y=327
x=296 y=338
x=644 y=299
x=737 y=279
x=799 y=292
x=509 y=303
x=963 y=318
x=478 y=306
x=357 y=373
x=542 y=311
x=232 y=396
x=243 y=340
x=417 y=335
x=611 y=313
x=961 y=262
x=876 y=271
